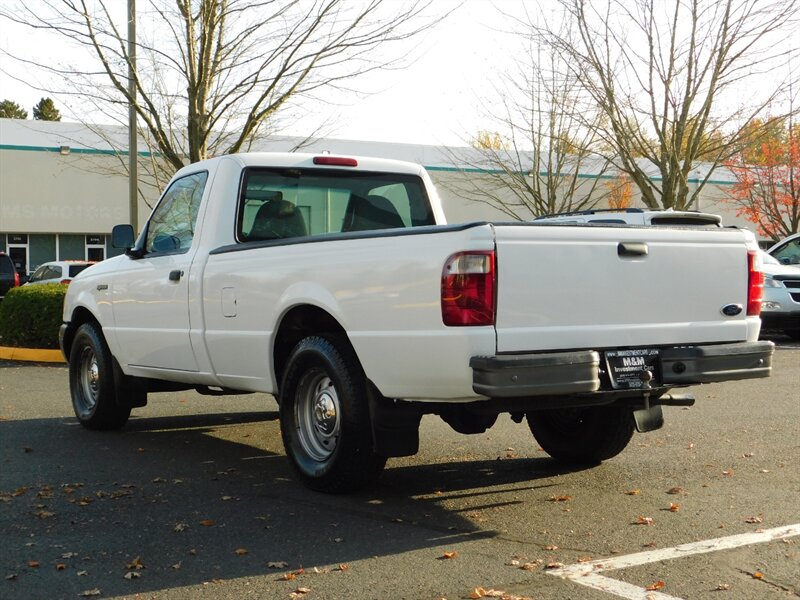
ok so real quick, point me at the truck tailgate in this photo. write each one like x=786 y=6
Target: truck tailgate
x=568 y=287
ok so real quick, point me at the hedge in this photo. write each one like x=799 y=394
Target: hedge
x=30 y=316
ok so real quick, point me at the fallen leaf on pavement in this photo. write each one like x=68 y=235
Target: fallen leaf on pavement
x=94 y=592
x=240 y=551
x=33 y=564
x=658 y=585
x=207 y=522
x=722 y=587
x=754 y=520
x=287 y=577
x=640 y=520
x=674 y=507
x=131 y=575
x=135 y=564
x=560 y=498
x=278 y=564
x=633 y=492
x=448 y=555
x=758 y=575
x=676 y=490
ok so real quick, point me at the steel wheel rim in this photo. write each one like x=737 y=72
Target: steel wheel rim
x=317 y=415
x=89 y=381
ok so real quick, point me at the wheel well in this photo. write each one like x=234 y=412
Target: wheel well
x=79 y=317
x=298 y=323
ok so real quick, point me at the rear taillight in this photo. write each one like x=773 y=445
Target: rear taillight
x=755 y=284
x=468 y=289
x=65 y=281
x=16 y=279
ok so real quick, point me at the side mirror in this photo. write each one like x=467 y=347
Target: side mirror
x=122 y=237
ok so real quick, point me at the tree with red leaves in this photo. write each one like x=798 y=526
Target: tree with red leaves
x=767 y=192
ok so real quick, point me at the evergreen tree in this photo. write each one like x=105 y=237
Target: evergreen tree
x=11 y=110
x=46 y=110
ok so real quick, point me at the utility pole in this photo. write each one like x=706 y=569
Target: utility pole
x=133 y=151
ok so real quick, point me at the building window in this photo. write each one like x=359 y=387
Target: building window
x=17 y=247
x=95 y=247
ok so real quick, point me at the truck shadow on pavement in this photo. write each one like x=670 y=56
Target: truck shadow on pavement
x=193 y=499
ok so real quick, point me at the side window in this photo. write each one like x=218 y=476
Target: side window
x=171 y=228
x=789 y=253
x=38 y=274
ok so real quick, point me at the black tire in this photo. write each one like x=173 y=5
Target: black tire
x=324 y=416
x=582 y=435
x=91 y=381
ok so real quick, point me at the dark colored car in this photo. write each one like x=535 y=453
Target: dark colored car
x=8 y=274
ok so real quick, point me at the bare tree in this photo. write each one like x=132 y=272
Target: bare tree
x=539 y=165
x=213 y=75
x=677 y=81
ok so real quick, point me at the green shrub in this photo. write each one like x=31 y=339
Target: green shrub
x=30 y=316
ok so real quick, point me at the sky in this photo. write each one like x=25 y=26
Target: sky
x=434 y=100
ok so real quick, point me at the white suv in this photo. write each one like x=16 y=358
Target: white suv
x=636 y=216
x=59 y=271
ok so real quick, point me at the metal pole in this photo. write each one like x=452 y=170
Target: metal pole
x=133 y=151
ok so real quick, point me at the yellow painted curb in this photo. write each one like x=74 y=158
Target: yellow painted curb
x=31 y=354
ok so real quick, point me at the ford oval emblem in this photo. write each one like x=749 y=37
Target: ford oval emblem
x=731 y=310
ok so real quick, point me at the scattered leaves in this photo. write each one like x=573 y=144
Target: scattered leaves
x=240 y=551
x=177 y=565
x=758 y=575
x=728 y=472
x=554 y=565
x=676 y=490
x=180 y=527
x=136 y=564
x=448 y=555
x=45 y=514
x=94 y=592
x=287 y=577
x=640 y=520
x=658 y=585
x=207 y=522
x=277 y=564
x=344 y=567
x=132 y=575
x=674 y=507
x=551 y=547
x=82 y=573
x=33 y=564
x=633 y=492
x=60 y=566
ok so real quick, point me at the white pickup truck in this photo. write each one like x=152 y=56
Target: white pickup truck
x=335 y=284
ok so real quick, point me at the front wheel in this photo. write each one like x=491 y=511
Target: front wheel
x=91 y=381
x=324 y=416
x=582 y=435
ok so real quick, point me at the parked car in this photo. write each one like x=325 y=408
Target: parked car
x=336 y=284
x=787 y=251
x=59 y=271
x=780 y=308
x=8 y=274
x=635 y=216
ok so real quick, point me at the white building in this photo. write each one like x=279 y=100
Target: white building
x=63 y=187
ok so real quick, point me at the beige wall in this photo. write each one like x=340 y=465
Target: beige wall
x=46 y=192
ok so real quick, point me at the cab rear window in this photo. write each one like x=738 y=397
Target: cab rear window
x=290 y=203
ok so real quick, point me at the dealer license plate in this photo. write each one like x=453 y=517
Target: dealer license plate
x=625 y=367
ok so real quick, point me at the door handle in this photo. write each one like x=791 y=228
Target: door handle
x=175 y=275
x=631 y=249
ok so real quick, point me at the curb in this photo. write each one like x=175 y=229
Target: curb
x=31 y=355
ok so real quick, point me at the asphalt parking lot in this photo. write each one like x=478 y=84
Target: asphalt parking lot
x=195 y=499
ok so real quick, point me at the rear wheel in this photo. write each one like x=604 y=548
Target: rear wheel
x=325 y=420
x=91 y=381
x=582 y=435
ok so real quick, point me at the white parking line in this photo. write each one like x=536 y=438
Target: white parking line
x=588 y=573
